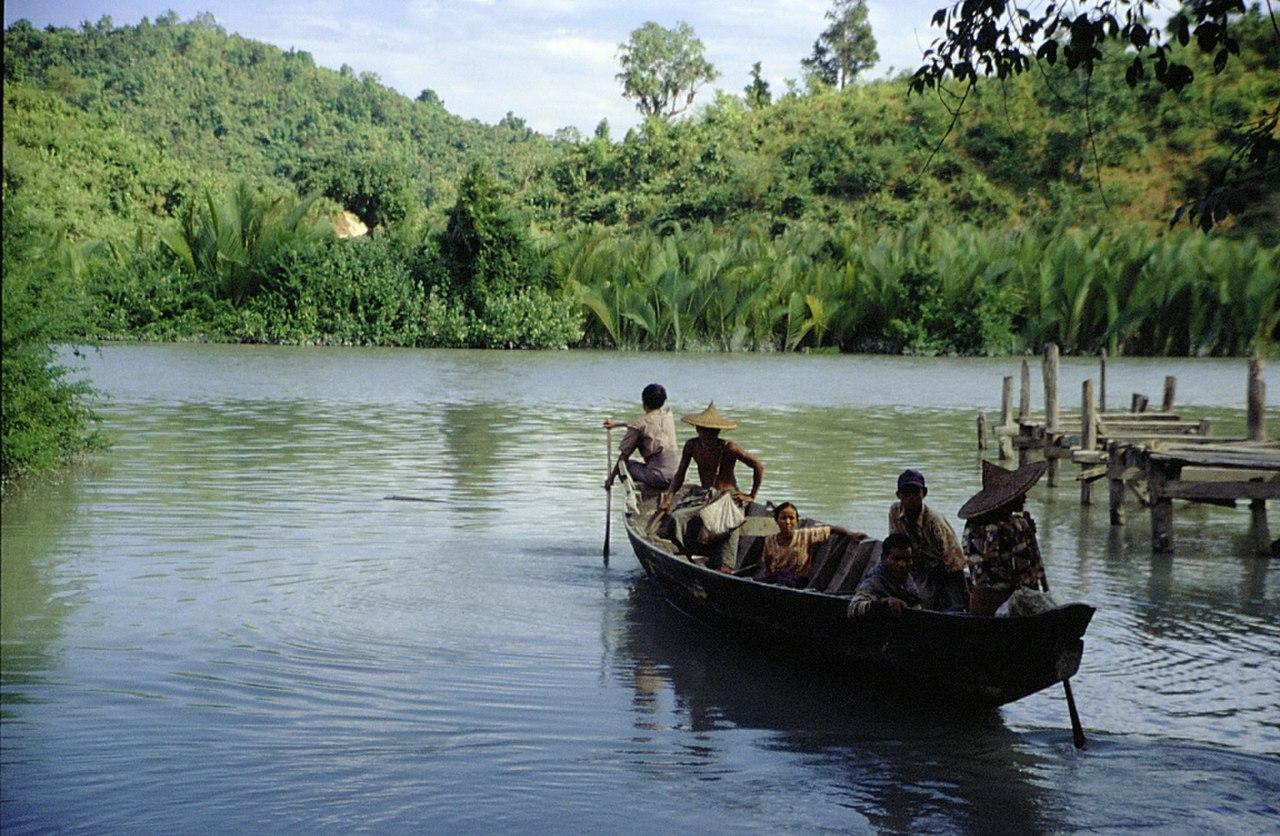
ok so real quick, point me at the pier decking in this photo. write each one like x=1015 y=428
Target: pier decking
x=1157 y=456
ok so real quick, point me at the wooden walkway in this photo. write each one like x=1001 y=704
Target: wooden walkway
x=1157 y=456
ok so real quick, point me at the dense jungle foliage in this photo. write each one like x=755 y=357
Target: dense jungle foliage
x=171 y=181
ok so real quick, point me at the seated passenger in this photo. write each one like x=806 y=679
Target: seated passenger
x=715 y=458
x=888 y=588
x=654 y=435
x=937 y=560
x=786 y=555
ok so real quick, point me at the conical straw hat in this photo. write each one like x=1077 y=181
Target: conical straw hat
x=1000 y=486
x=710 y=418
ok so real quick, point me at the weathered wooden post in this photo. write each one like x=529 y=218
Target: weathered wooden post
x=1170 y=385
x=1102 y=380
x=1088 y=431
x=1256 y=410
x=1024 y=406
x=1051 y=412
x=982 y=430
x=1139 y=403
x=1005 y=440
x=1115 y=478
x=1024 y=395
x=1161 y=510
x=1255 y=419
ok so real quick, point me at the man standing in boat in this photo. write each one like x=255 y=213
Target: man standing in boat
x=937 y=564
x=654 y=435
x=716 y=458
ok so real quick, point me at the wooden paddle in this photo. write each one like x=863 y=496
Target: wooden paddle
x=608 y=492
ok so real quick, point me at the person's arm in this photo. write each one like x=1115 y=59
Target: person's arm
x=625 y=448
x=677 y=481
x=855 y=536
x=757 y=471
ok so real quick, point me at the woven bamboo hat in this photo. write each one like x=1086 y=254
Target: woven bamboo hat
x=710 y=418
x=1000 y=487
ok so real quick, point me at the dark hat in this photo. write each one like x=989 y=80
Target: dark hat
x=1000 y=487
x=911 y=479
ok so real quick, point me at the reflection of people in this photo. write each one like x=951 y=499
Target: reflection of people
x=1000 y=537
x=786 y=555
x=654 y=435
x=937 y=562
x=715 y=458
x=889 y=587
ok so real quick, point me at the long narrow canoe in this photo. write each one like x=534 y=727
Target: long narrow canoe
x=957 y=657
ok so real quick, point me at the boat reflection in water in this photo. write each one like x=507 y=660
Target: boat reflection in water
x=899 y=763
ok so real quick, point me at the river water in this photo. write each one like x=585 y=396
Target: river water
x=220 y=624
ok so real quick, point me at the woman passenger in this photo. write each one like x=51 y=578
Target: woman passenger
x=786 y=555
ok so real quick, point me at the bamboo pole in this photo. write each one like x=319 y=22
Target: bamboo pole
x=608 y=494
x=1088 y=432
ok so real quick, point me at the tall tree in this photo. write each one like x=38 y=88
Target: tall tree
x=662 y=69
x=846 y=47
x=1004 y=39
x=757 y=92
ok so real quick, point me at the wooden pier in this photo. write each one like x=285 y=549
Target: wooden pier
x=1157 y=456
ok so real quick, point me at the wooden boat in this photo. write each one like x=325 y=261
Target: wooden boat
x=976 y=660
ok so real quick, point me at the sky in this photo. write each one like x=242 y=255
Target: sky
x=550 y=62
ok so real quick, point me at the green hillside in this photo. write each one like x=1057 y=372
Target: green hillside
x=172 y=181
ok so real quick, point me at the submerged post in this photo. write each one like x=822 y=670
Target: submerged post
x=982 y=430
x=1004 y=440
x=1088 y=431
x=1102 y=380
x=1051 y=413
x=1170 y=385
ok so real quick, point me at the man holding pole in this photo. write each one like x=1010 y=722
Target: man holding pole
x=654 y=435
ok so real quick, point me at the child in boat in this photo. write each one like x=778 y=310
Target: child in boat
x=786 y=555
x=888 y=588
x=654 y=435
x=715 y=458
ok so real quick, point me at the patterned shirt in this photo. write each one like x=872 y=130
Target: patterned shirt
x=793 y=556
x=1004 y=552
x=933 y=540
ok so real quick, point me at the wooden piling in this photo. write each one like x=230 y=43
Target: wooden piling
x=1255 y=420
x=1161 y=512
x=1170 y=386
x=1005 y=440
x=1257 y=395
x=1024 y=396
x=1052 y=414
x=982 y=431
x=1102 y=380
x=1139 y=403
x=1088 y=432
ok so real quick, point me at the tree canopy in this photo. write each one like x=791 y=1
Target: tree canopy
x=1004 y=39
x=845 y=48
x=662 y=69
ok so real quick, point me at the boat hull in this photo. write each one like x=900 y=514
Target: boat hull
x=953 y=657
